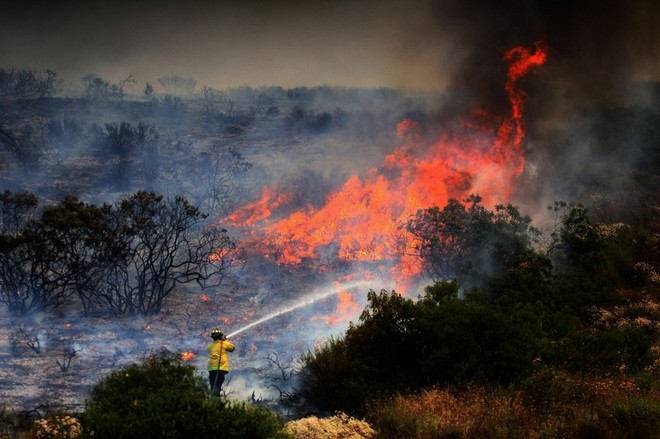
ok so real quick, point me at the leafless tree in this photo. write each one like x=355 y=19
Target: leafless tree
x=32 y=276
x=284 y=371
x=26 y=83
x=169 y=246
x=123 y=260
x=99 y=88
x=87 y=237
x=27 y=144
x=129 y=151
x=69 y=355
x=28 y=337
x=211 y=178
x=16 y=209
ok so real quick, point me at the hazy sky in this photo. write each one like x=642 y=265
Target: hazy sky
x=415 y=43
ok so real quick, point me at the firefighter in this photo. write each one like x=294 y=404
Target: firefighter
x=218 y=361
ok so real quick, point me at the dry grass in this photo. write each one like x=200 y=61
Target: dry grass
x=340 y=426
x=477 y=412
x=441 y=413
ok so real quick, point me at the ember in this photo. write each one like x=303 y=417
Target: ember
x=187 y=356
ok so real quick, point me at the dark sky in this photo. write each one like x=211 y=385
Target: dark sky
x=414 y=43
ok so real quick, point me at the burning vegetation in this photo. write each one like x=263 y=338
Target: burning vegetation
x=503 y=305
x=362 y=221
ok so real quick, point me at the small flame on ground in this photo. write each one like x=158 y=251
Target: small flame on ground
x=187 y=356
x=204 y=298
x=67 y=325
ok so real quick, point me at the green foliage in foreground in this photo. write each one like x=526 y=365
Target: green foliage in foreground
x=163 y=398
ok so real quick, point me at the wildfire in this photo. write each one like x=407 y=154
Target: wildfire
x=362 y=221
x=218 y=255
x=67 y=325
x=260 y=209
x=346 y=307
x=187 y=356
x=204 y=298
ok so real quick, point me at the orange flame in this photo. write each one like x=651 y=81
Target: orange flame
x=260 y=209
x=204 y=298
x=187 y=356
x=362 y=221
x=346 y=307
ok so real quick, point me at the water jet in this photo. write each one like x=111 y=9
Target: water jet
x=320 y=294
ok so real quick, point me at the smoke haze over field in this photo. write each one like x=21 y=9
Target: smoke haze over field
x=394 y=43
x=591 y=116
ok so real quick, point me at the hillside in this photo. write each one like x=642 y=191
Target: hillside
x=277 y=160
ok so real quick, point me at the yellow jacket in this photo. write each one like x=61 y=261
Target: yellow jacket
x=218 y=354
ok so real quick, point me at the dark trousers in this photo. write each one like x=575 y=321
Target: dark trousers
x=216 y=378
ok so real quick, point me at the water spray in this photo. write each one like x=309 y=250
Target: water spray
x=308 y=300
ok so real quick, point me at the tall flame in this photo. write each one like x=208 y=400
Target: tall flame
x=362 y=220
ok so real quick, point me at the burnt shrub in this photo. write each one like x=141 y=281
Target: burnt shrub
x=162 y=397
x=64 y=133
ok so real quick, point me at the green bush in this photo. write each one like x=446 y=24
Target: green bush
x=164 y=398
x=401 y=345
x=240 y=420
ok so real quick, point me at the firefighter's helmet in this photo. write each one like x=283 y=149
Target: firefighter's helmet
x=216 y=334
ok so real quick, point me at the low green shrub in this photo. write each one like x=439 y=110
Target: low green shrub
x=163 y=398
x=240 y=420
